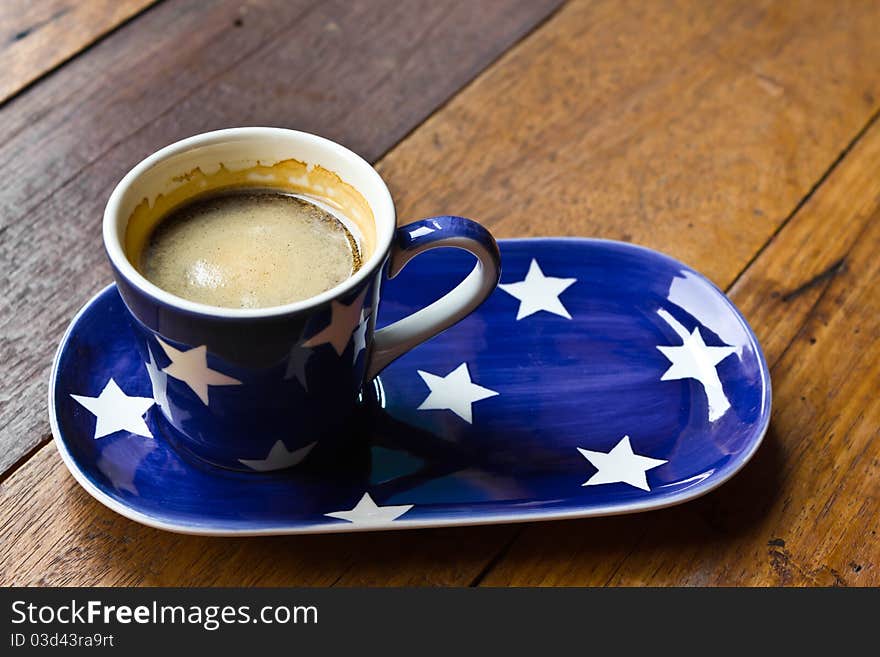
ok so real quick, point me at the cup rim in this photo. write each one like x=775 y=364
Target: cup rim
x=384 y=216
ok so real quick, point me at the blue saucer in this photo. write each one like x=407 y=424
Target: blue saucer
x=600 y=378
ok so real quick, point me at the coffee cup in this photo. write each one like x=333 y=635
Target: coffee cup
x=257 y=389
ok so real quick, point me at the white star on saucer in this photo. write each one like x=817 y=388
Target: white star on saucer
x=539 y=292
x=159 y=383
x=191 y=367
x=366 y=512
x=455 y=392
x=695 y=360
x=296 y=365
x=116 y=411
x=620 y=465
x=279 y=457
x=343 y=321
x=360 y=336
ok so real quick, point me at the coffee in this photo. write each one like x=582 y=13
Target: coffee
x=249 y=248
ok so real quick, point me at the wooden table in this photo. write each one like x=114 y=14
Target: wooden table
x=741 y=138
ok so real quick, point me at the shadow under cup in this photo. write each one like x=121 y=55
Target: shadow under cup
x=252 y=389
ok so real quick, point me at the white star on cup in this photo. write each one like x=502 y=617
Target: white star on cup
x=344 y=319
x=191 y=367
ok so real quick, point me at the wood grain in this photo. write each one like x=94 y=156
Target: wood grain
x=363 y=73
x=696 y=128
x=35 y=37
x=684 y=125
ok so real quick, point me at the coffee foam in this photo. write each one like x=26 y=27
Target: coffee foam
x=249 y=249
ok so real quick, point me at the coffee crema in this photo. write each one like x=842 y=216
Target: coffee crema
x=249 y=248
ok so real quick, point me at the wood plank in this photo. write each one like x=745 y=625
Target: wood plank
x=587 y=127
x=35 y=37
x=708 y=132
x=363 y=73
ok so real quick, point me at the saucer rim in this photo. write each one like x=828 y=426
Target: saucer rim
x=337 y=526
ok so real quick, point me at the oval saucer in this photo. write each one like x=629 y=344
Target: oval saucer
x=599 y=378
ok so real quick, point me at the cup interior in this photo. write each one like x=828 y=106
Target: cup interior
x=288 y=160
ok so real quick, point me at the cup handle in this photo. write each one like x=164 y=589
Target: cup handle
x=415 y=238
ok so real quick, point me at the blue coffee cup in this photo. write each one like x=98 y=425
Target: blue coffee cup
x=258 y=389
